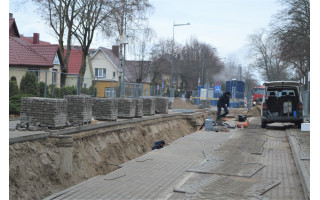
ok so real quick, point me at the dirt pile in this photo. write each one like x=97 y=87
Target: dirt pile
x=35 y=167
x=255 y=111
x=180 y=104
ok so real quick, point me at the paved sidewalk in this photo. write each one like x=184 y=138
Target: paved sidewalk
x=300 y=146
x=152 y=176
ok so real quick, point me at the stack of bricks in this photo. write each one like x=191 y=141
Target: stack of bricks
x=139 y=107
x=149 y=106
x=161 y=105
x=105 y=109
x=79 y=108
x=126 y=108
x=44 y=112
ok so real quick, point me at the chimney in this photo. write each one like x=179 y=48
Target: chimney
x=10 y=15
x=115 y=50
x=36 y=38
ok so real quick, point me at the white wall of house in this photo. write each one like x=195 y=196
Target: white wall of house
x=100 y=61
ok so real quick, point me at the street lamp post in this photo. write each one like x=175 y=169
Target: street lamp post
x=172 y=65
x=123 y=40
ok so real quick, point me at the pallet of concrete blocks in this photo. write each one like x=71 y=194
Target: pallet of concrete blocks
x=139 y=107
x=105 y=109
x=43 y=112
x=79 y=109
x=161 y=104
x=126 y=108
x=148 y=106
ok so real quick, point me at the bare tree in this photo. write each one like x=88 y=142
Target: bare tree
x=141 y=50
x=266 y=56
x=132 y=14
x=60 y=15
x=198 y=61
x=92 y=14
x=292 y=28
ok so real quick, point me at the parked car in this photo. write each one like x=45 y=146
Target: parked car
x=281 y=103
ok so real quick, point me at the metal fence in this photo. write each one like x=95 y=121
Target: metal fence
x=306 y=103
x=55 y=84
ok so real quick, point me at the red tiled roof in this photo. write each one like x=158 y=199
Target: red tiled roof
x=75 y=59
x=30 y=40
x=21 y=53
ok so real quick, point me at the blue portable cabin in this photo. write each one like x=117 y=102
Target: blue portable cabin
x=236 y=88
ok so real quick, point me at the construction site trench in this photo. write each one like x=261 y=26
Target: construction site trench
x=43 y=167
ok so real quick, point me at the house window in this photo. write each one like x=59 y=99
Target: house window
x=113 y=74
x=100 y=72
x=54 y=76
x=36 y=71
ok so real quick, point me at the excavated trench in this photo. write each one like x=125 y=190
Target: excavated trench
x=41 y=168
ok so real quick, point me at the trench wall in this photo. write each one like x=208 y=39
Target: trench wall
x=41 y=168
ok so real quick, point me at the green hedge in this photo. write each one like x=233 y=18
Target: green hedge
x=15 y=103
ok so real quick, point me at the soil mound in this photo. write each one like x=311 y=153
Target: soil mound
x=180 y=104
x=255 y=111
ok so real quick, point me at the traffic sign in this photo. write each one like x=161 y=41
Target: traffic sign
x=217 y=89
x=218 y=83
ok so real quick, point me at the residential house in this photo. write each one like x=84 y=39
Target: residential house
x=162 y=72
x=74 y=65
x=105 y=68
x=139 y=72
x=43 y=58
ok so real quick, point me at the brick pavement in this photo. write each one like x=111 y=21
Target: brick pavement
x=280 y=171
x=156 y=174
x=300 y=146
x=152 y=176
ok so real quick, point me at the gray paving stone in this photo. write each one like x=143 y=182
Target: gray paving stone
x=156 y=177
x=227 y=168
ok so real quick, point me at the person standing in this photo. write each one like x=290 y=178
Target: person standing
x=223 y=102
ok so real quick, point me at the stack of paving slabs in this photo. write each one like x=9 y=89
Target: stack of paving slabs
x=149 y=106
x=105 y=109
x=139 y=107
x=161 y=105
x=79 y=109
x=43 y=112
x=126 y=108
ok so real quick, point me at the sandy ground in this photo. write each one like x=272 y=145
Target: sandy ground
x=180 y=104
x=255 y=111
x=35 y=167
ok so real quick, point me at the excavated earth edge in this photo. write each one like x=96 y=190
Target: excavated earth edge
x=43 y=167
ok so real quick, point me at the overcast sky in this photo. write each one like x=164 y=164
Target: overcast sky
x=224 y=24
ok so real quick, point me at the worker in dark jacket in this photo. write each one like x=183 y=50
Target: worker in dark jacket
x=223 y=103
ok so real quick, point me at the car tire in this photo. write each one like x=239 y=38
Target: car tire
x=263 y=124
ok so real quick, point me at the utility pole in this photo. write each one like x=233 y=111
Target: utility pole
x=123 y=40
x=172 y=52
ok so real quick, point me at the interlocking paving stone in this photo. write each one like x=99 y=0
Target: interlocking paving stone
x=227 y=168
x=247 y=142
x=151 y=176
x=280 y=165
x=232 y=156
x=233 y=187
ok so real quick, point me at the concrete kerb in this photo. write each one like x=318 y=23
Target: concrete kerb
x=302 y=171
x=29 y=137
x=73 y=130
